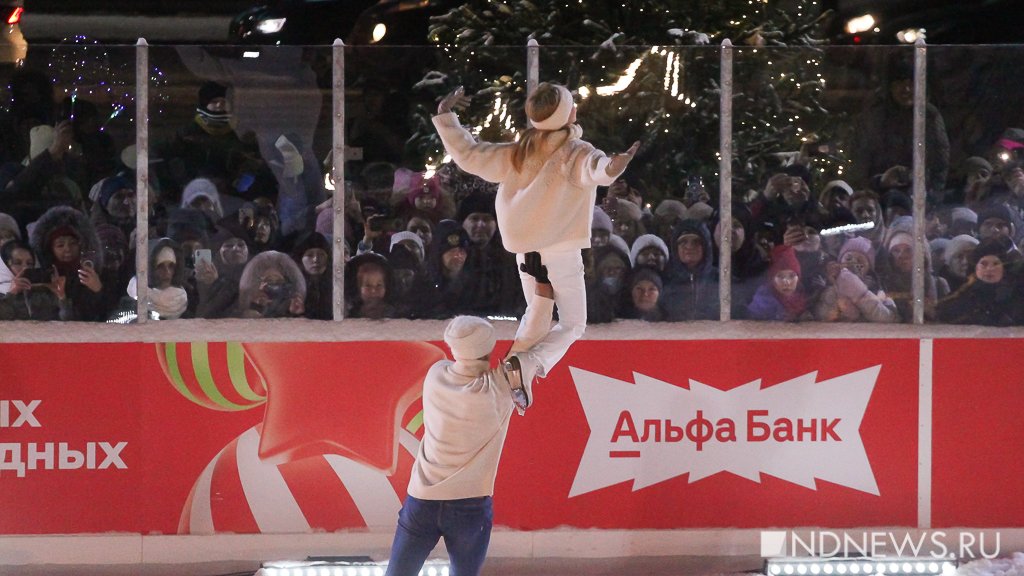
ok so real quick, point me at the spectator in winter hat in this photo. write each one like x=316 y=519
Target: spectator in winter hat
x=963 y=221
x=167 y=298
x=996 y=220
x=412 y=242
x=691 y=278
x=989 y=296
x=601 y=229
x=650 y=251
x=9 y=229
x=974 y=175
x=271 y=286
x=312 y=252
x=867 y=208
x=606 y=272
x=370 y=287
x=852 y=294
x=476 y=212
x=201 y=194
x=955 y=267
x=781 y=296
x=115 y=203
x=668 y=213
x=65 y=238
x=643 y=293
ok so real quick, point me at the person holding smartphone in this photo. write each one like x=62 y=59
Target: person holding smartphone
x=65 y=239
x=27 y=292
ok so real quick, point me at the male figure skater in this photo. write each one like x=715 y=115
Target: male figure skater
x=466 y=411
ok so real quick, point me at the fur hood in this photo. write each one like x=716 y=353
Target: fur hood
x=59 y=217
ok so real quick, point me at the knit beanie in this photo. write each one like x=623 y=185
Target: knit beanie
x=619 y=242
x=405 y=235
x=858 y=244
x=700 y=211
x=210 y=90
x=957 y=245
x=476 y=203
x=601 y=220
x=900 y=238
x=783 y=258
x=645 y=241
x=996 y=246
x=962 y=214
x=7 y=222
x=975 y=164
x=671 y=208
x=469 y=337
x=997 y=210
x=629 y=210
x=112 y=185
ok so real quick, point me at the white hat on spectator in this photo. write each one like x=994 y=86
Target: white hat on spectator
x=963 y=214
x=405 y=235
x=646 y=241
x=601 y=220
x=619 y=242
x=40 y=138
x=958 y=244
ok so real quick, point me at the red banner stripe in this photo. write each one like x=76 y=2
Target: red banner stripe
x=321 y=495
x=231 y=511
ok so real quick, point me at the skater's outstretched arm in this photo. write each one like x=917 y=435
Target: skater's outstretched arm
x=492 y=162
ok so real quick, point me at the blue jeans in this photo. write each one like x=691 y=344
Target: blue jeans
x=465 y=525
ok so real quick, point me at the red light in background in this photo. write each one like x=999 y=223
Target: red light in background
x=15 y=16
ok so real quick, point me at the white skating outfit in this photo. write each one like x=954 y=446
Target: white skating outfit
x=546 y=207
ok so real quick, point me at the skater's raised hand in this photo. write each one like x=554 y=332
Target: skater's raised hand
x=620 y=161
x=457 y=100
x=533 y=266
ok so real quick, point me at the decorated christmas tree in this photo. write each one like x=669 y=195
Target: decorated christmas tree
x=645 y=70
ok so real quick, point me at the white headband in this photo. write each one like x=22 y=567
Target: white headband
x=560 y=117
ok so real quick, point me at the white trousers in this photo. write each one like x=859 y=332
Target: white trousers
x=565 y=271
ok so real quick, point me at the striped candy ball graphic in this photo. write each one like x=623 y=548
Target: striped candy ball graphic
x=214 y=375
x=237 y=492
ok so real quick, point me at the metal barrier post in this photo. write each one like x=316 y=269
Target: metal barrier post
x=920 y=110
x=725 y=185
x=338 y=173
x=142 y=179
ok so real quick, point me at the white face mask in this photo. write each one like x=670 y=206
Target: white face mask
x=612 y=284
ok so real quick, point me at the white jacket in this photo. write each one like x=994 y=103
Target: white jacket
x=465 y=420
x=549 y=204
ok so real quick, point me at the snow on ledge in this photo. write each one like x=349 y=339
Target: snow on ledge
x=301 y=330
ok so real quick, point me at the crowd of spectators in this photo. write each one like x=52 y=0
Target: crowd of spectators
x=234 y=234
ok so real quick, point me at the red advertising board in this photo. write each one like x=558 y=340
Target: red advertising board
x=300 y=437
x=977 y=469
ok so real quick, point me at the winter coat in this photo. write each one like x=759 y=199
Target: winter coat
x=85 y=304
x=978 y=302
x=691 y=294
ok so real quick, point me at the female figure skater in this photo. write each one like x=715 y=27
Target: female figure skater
x=547 y=189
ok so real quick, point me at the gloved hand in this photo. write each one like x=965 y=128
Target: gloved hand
x=534 y=267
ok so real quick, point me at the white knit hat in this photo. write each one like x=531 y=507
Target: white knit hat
x=601 y=220
x=961 y=213
x=469 y=337
x=645 y=241
x=405 y=235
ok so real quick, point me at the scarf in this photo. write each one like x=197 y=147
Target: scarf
x=170 y=303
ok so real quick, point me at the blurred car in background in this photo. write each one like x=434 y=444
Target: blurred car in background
x=13 y=47
x=940 y=21
x=356 y=22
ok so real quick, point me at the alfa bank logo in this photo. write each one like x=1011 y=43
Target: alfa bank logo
x=651 y=431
